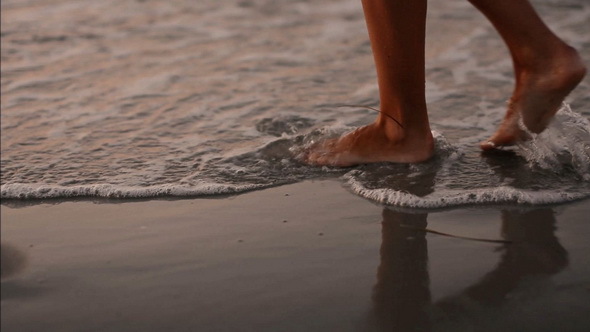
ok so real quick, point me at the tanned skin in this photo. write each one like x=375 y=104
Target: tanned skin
x=546 y=71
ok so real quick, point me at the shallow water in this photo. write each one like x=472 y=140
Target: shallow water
x=181 y=98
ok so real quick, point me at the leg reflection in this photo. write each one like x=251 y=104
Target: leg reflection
x=402 y=295
x=535 y=251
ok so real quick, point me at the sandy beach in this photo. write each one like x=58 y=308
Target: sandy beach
x=302 y=257
x=128 y=99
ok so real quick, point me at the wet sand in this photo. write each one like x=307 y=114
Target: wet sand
x=302 y=257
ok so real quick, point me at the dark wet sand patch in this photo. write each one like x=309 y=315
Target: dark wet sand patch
x=339 y=263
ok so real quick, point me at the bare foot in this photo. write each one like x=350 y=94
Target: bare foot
x=537 y=97
x=371 y=144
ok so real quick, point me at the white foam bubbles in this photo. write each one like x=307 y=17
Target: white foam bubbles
x=564 y=144
x=447 y=198
x=33 y=191
x=457 y=176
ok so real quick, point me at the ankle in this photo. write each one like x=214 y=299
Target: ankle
x=419 y=137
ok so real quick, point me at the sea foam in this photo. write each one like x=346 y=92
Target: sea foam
x=564 y=144
x=449 y=198
x=28 y=191
x=220 y=99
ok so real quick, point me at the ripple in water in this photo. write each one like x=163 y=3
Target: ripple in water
x=551 y=168
x=185 y=98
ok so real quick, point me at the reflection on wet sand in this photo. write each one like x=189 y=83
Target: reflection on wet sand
x=402 y=294
x=402 y=300
x=535 y=251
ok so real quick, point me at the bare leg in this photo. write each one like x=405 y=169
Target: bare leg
x=546 y=68
x=397 y=32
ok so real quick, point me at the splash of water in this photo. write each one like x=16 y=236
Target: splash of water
x=564 y=145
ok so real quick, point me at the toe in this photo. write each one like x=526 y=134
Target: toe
x=487 y=145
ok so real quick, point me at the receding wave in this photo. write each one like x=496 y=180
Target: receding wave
x=457 y=197
x=193 y=103
x=28 y=191
x=555 y=173
x=458 y=174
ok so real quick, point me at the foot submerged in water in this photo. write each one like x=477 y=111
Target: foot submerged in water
x=371 y=144
x=538 y=95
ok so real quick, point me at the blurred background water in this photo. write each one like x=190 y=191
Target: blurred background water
x=134 y=98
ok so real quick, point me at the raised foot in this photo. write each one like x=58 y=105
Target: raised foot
x=538 y=95
x=370 y=144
